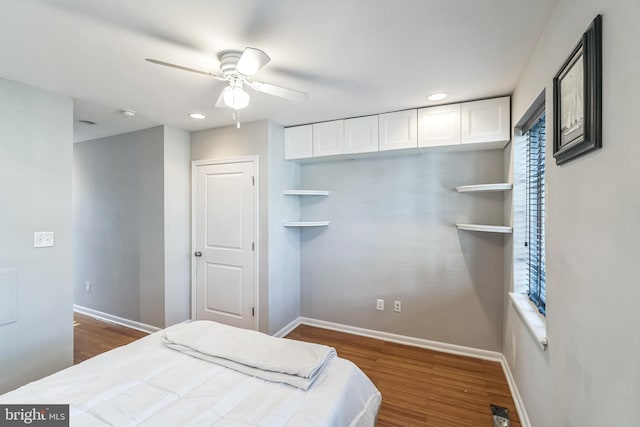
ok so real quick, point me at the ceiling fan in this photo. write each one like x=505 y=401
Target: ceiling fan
x=237 y=68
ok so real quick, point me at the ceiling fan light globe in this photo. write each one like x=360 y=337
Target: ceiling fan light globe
x=235 y=97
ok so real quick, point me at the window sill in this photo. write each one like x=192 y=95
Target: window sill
x=535 y=322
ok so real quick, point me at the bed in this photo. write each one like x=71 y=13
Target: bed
x=173 y=378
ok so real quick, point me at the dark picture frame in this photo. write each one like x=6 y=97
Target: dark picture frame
x=577 y=98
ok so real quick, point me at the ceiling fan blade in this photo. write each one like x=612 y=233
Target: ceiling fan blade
x=180 y=67
x=251 y=61
x=279 y=91
x=220 y=102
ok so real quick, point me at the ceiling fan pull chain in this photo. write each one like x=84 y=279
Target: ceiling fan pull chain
x=236 y=117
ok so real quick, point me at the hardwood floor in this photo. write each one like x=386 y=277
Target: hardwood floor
x=422 y=387
x=419 y=387
x=92 y=337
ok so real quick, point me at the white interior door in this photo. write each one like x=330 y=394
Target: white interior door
x=225 y=229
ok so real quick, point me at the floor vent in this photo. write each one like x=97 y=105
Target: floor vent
x=500 y=416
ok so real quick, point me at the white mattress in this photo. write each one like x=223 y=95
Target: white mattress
x=147 y=384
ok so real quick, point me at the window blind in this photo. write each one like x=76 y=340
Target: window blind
x=535 y=199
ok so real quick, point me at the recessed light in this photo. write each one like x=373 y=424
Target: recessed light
x=128 y=113
x=438 y=96
x=197 y=116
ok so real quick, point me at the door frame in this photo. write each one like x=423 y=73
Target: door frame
x=256 y=194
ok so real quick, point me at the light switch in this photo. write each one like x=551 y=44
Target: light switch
x=42 y=239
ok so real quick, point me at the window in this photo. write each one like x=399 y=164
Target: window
x=534 y=243
x=528 y=294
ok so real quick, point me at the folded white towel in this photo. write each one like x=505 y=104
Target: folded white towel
x=274 y=359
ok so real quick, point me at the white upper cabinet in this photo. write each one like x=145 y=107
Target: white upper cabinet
x=475 y=125
x=486 y=121
x=438 y=126
x=398 y=130
x=328 y=138
x=361 y=135
x=298 y=142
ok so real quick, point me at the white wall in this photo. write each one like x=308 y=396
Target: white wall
x=589 y=375
x=36 y=135
x=177 y=225
x=392 y=236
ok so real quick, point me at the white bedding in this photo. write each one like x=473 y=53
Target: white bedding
x=148 y=384
x=274 y=359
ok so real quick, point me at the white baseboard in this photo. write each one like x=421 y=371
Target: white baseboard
x=517 y=399
x=402 y=339
x=115 y=319
x=288 y=328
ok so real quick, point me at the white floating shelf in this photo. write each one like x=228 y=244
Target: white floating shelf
x=484 y=187
x=305 y=223
x=486 y=228
x=305 y=192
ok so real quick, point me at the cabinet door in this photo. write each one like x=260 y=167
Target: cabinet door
x=486 y=121
x=398 y=130
x=328 y=138
x=438 y=126
x=361 y=135
x=298 y=142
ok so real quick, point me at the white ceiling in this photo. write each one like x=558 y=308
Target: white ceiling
x=353 y=57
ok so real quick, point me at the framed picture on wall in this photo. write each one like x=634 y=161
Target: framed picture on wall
x=577 y=98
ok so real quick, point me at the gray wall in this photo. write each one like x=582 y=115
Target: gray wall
x=589 y=374
x=118 y=225
x=392 y=236
x=278 y=300
x=284 y=243
x=36 y=134
x=177 y=225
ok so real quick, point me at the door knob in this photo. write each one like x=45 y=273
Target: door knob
x=198 y=254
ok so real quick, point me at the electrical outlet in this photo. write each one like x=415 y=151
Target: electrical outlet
x=397 y=306
x=87 y=286
x=380 y=304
